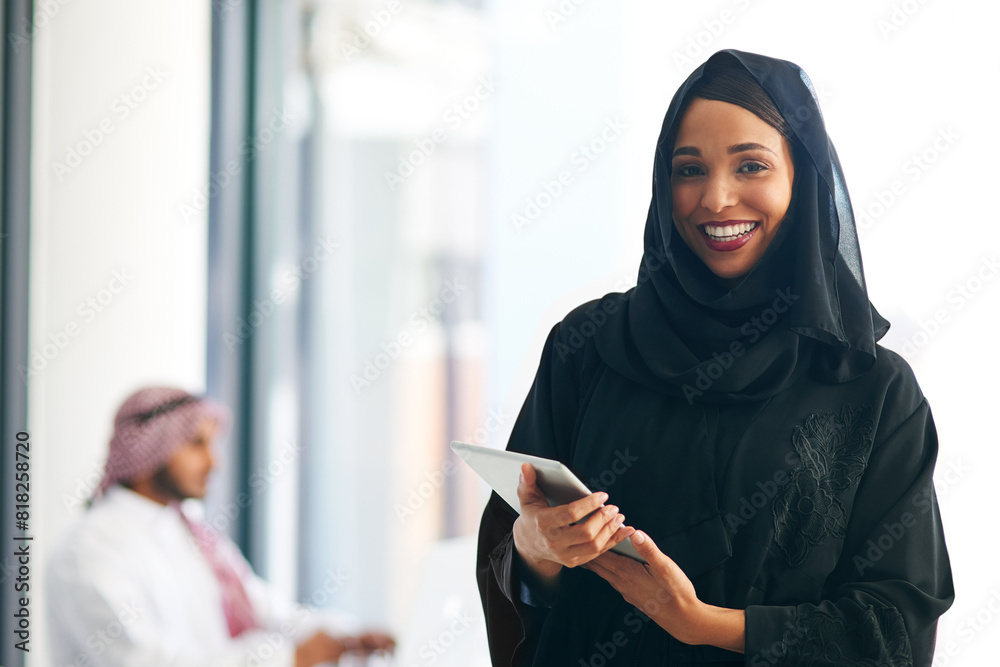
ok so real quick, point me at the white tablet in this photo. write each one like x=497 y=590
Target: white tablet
x=502 y=471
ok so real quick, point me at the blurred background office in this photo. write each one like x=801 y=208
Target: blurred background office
x=355 y=221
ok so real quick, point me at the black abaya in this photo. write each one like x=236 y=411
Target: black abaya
x=789 y=475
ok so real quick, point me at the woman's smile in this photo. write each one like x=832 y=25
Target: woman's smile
x=729 y=234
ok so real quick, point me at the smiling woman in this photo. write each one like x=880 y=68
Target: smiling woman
x=732 y=172
x=774 y=439
x=731 y=185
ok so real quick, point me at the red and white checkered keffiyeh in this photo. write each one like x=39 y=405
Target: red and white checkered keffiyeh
x=149 y=427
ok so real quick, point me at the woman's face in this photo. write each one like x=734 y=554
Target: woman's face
x=731 y=182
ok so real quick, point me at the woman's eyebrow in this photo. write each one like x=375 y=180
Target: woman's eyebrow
x=750 y=146
x=732 y=150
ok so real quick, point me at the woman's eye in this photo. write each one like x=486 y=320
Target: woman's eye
x=752 y=167
x=688 y=171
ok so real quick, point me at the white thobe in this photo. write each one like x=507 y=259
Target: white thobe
x=128 y=587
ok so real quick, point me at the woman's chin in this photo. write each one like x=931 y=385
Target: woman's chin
x=728 y=267
x=729 y=273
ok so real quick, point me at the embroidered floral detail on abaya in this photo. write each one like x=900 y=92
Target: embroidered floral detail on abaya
x=833 y=449
x=880 y=630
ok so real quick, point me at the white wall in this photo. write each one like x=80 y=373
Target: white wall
x=115 y=211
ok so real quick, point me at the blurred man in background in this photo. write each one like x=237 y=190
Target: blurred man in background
x=142 y=580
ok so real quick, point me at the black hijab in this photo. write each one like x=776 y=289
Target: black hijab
x=804 y=306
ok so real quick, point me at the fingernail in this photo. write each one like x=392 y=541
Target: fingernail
x=620 y=520
x=638 y=537
x=603 y=496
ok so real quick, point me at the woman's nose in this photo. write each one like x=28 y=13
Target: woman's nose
x=719 y=194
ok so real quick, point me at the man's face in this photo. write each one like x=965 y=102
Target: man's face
x=185 y=474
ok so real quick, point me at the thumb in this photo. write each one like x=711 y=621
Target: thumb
x=527 y=488
x=646 y=548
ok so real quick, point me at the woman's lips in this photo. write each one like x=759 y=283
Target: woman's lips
x=729 y=235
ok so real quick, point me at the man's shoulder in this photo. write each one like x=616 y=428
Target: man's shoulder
x=101 y=533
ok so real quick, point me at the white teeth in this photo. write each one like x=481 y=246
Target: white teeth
x=729 y=232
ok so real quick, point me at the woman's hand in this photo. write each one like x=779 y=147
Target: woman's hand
x=662 y=591
x=548 y=538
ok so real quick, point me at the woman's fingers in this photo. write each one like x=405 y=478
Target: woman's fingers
x=567 y=534
x=613 y=534
x=528 y=493
x=579 y=509
x=622 y=534
x=532 y=498
x=601 y=532
x=577 y=523
x=659 y=563
x=596 y=529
